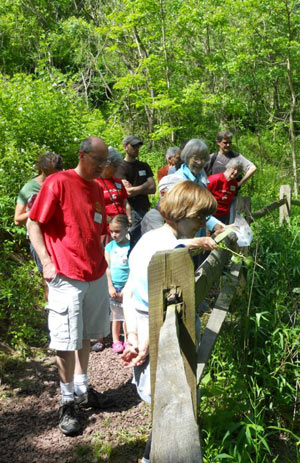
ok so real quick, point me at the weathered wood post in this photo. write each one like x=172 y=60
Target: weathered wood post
x=285 y=209
x=243 y=204
x=173 y=290
x=175 y=435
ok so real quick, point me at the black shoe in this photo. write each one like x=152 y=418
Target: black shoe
x=98 y=347
x=93 y=399
x=68 y=421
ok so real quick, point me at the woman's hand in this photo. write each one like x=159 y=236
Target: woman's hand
x=134 y=354
x=206 y=243
x=219 y=228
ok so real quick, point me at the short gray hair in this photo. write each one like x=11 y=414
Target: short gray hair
x=193 y=146
x=114 y=157
x=171 y=152
x=235 y=163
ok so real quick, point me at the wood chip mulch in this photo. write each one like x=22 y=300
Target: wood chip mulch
x=29 y=401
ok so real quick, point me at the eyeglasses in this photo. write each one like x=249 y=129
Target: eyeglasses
x=105 y=162
x=201 y=218
x=198 y=160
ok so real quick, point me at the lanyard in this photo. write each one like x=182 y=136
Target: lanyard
x=111 y=196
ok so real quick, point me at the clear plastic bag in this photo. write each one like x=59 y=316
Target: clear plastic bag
x=244 y=232
x=116 y=310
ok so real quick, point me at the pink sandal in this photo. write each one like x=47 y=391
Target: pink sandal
x=118 y=347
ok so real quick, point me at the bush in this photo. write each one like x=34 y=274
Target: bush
x=36 y=116
x=250 y=390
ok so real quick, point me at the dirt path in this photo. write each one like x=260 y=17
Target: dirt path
x=29 y=396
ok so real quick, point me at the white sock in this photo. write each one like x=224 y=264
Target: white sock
x=67 y=392
x=145 y=460
x=80 y=384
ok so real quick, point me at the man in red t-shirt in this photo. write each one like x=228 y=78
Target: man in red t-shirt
x=224 y=186
x=66 y=222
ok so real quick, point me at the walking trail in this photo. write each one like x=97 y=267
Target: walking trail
x=29 y=400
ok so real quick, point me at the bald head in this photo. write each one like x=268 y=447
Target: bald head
x=91 y=144
x=93 y=154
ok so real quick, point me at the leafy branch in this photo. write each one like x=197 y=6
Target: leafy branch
x=238 y=257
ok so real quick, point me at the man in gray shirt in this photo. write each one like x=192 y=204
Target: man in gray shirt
x=218 y=161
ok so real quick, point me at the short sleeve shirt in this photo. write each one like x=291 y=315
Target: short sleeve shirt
x=161 y=239
x=222 y=160
x=71 y=214
x=162 y=172
x=114 y=195
x=30 y=188
x=118 y=262
x=224 y=191
x=136 y=173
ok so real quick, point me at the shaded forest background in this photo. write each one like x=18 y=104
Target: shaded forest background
x=167 y=71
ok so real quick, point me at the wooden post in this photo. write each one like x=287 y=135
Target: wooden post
x=175 y=434
x=172 y=349
x=243 y=204
x=285 y=209
x=173 y=269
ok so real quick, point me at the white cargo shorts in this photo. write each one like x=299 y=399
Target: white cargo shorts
x=77 y=310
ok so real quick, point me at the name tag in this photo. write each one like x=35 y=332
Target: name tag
x=118 y=186
x=98 y=217
x=142 y=173
x=232 y=188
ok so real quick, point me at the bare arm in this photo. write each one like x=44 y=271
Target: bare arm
x=137 y=350
x=128 y=210
x=206 y=243
x=111 y=289
x=147 y=188
x=247 y=175
x=21 y=215
x=129 y=311
x=37 y=240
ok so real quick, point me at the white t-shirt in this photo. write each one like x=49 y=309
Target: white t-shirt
x=161 y=239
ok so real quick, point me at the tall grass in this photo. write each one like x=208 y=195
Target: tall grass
x=250 y=394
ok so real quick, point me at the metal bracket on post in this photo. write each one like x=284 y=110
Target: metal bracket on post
x=174 y=296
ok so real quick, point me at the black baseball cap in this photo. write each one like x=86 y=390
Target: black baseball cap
x=132 y=140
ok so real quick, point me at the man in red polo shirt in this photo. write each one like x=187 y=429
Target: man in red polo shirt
x=66 y=222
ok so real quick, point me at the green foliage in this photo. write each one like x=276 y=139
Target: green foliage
x=250 y=391
x=184 y=66
x=45 y=112
x=22 y=318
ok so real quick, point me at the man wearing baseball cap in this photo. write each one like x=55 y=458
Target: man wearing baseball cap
x=137 y=177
